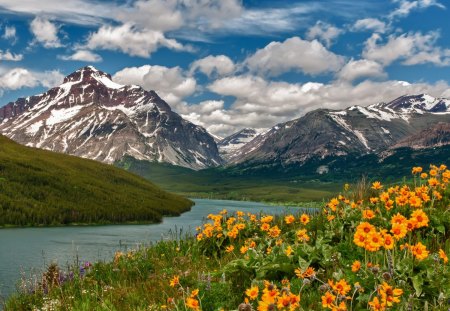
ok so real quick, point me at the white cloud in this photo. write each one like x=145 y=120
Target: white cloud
x=7 y=55
x=17 y=78
x=220 y=65
x=45 y=32
x=131 y=40
x=83 y=56
x=294 y=54
x=260 y=103
x=406 y=7
x=10 y=34
x=411 y=48
x=323 y=32
x=171 y=84
x=371 y=24
x=362 y=68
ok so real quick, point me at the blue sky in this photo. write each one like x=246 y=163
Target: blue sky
x=229 y=64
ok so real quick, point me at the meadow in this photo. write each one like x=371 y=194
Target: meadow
x=373 y=246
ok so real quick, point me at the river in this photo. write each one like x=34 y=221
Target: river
x=26 y=251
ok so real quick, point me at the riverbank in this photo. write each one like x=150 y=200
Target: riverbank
x=384 y=249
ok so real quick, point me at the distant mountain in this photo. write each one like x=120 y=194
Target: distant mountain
x=230 y=145
x=92 y=117
x=40 y=187
x=354 y=131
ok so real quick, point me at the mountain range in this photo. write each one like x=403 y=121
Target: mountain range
x=91 y=116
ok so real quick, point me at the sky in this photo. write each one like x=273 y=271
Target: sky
x=231 y=64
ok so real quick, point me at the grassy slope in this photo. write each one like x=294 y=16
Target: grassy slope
x=40 y=187
x=274 y=183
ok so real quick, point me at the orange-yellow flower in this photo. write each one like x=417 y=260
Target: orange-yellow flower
x=365 y=227
x=341 y=287
x=356 y=266
x=304 y=219
x=399 y=231
x=192 y=303
x=388 y=241
x=443 y=255
x=175 y=281
x=289 y=219
x=274 y=231
x=398 y=219
x=328 y=300
x=389 y=295
x=419 y=251
x=416 y=169
x=252 y=292
x=433 y=182
x=376 y=304
x=368 y=214
x=377 y=185
x=420 y=218
x=229 y=249
x=302 y=235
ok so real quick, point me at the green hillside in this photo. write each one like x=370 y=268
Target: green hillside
x=39 y=187
x=272 y=182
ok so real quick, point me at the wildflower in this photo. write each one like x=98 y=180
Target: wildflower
x=266 y=306
x=302 y=235
x=341 y=307
x=341 y=287
x=194 y=293
x=356 y=266
x=399 y=231
x=266 y=219
x=423 y=175
x=365 y=227
x=229 y=249
x=433 y=172
x=419 y=251
x=333 y=204
x=398 y=219
x=265 y=227
x=252 y=292
x=328 y=300
x=288 y=251
x=415 y=201
x=309 y=272
x=368 y=214
x=174 y=281
x=388 y=242
x=375 y=241
x=389 y=295
x=243 y=249
x=416 y=169
x=304 y=219
x=192 y=303
x=420 y=218
x=376 y=304
x=359 y=238
x=376 y=185
x=330 y=217
x=289 y=219
x=443 y=256
x=274 y=232
x=433 y=182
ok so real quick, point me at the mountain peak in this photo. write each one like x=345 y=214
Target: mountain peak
x=89 y=74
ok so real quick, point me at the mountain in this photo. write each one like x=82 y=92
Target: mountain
x=39 y=187
x=436 y=136
x=354 y=131
x=230 y=145
x=93 y=117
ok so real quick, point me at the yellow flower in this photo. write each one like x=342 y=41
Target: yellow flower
x=265 y=227
x=368 y=214
x=356 y=266
x=304 y=219
x=274 y=232
x=416 y=169
x=243 y=249
x=419 y=251
x=192 y=303
x=389 y=295
x=377 y=185
x=175 y=281
x=399 y=231
x=289 y=219
x=388 y=242
x=288 y=251
x=443 y=256
x=302 y=235
x=252 y=292
x=229 y=249
x=420 y=218
x=328 y=300
x=341 y=287
x=194 y=293
x=433 y=182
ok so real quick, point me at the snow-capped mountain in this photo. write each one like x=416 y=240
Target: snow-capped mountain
x=356 y=130
x=93 y=117
x=231 y=144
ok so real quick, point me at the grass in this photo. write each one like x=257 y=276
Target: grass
x=296 y=262
x=43 y=188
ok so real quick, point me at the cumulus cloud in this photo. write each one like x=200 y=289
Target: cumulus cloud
x=7 y=55
x=131 y=40
x=369 y=24
x=411 y=48
x=171 y=84
x=362 y=68
x=294 y=54
x=45 y=32
x=17 y=78
x=219 y=65
x=83 y=56
x=323 y=32
x=261 y=104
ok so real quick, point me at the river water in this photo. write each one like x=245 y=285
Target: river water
x=26 y=251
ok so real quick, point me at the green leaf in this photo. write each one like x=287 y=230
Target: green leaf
x=417 y=281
